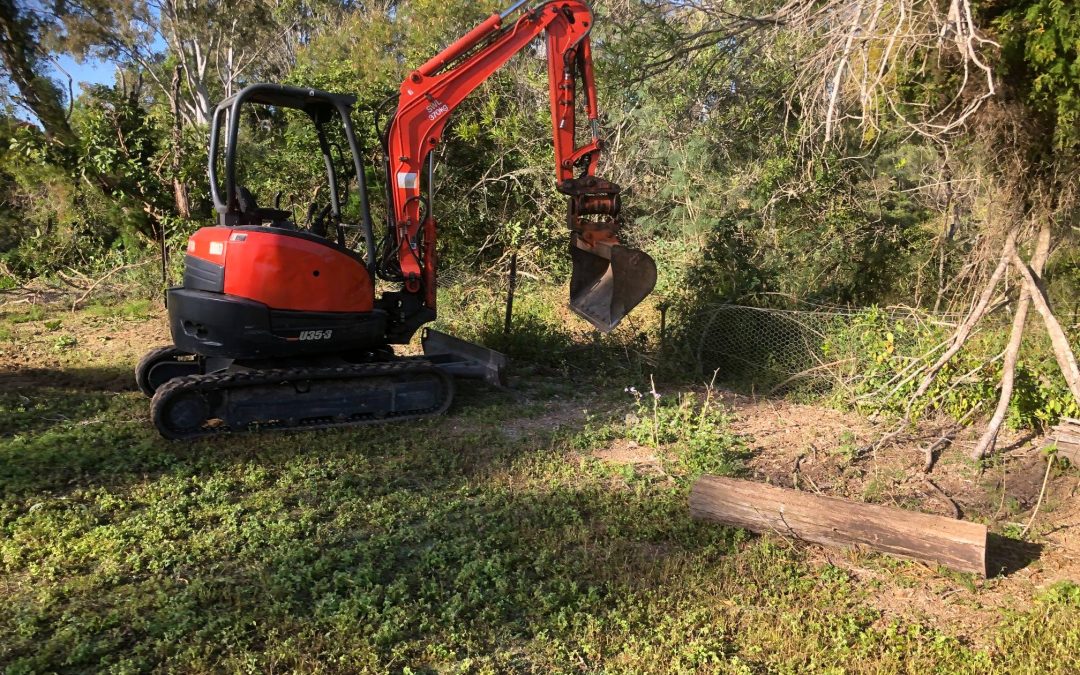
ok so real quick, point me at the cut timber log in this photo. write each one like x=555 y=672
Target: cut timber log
x=840 y=522
x=1066 y=435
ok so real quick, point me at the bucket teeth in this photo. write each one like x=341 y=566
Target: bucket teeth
x=608 y=281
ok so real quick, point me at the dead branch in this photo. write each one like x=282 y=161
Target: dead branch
x=6 y=272
x=930 y=453
x=945 y=496
x=1042 y=493
x=854 y=49
x=1062 y=350
x=961 y=335
x=809 y=371
x=965 y=328
x=985 y=444
x=108 y=274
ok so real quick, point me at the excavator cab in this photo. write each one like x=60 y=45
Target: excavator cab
x=330 y=115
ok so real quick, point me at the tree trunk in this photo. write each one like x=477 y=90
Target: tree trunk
x=946 y=234
x=976 y=313
x=183 y=204
x=1012 y=352
x=1062 y=350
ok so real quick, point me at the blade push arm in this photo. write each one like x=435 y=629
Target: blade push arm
x=430 y=94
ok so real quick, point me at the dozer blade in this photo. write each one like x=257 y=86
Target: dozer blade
x=608 y=281
x=464 y=359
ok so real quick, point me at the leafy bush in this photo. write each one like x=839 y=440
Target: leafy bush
x=885 y=355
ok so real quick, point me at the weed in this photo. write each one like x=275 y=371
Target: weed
x=848 y=448
x=597 y=432
x=874 y=490
x=64 y=342
x=1012 y=530
x=33 y=313
x=692 y=432
x=1012 y=505
x=1062 y=593
x=124 y=308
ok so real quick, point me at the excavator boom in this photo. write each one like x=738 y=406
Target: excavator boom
x=608 y=279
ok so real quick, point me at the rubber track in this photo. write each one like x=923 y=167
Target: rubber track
x=214 y=382
x=151 y=358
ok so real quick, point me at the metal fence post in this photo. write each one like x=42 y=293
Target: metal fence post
x=510 y=293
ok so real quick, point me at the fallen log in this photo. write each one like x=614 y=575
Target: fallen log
x=1070 y=451
x=841 y=523
x=1066 y=435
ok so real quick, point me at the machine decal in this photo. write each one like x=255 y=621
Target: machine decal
x=436 y=109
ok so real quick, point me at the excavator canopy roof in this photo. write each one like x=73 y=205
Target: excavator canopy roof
x=319 y=105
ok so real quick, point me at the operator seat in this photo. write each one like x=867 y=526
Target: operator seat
x=252 y=214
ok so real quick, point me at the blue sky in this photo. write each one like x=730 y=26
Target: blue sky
x=90 y=71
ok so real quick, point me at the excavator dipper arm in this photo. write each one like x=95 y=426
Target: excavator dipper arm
x=608 y=279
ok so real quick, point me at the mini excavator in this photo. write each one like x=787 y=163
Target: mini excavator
x=277 y=324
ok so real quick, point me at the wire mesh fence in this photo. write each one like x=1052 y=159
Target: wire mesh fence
x=808 y=347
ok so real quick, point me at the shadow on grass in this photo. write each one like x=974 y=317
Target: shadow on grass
x=112 y=379
x=37 y=399
x=401 y=545
x=78 y=428
x=1005 y=556
x=75 y=428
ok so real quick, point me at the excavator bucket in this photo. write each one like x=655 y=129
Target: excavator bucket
x=607 y=281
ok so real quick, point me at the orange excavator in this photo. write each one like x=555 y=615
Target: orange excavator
x=277 y=324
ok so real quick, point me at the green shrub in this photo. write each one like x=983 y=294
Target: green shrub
x=885 y=355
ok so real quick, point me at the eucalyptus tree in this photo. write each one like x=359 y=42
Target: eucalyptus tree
x=216 y=44
x=25 y=64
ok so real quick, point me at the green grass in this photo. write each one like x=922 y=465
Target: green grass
x=451 y=545
x=121 y=308
x=31 y=313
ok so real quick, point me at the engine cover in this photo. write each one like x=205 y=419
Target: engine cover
x=279 y=268
x=259 y=292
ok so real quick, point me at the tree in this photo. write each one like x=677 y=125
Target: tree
x=22 y=60
x=218 y=44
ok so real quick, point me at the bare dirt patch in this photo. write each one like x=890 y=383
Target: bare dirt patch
x=820 y=449
x=67 y=338
x=814 y=448
x=623 y=451
x=560 y=413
